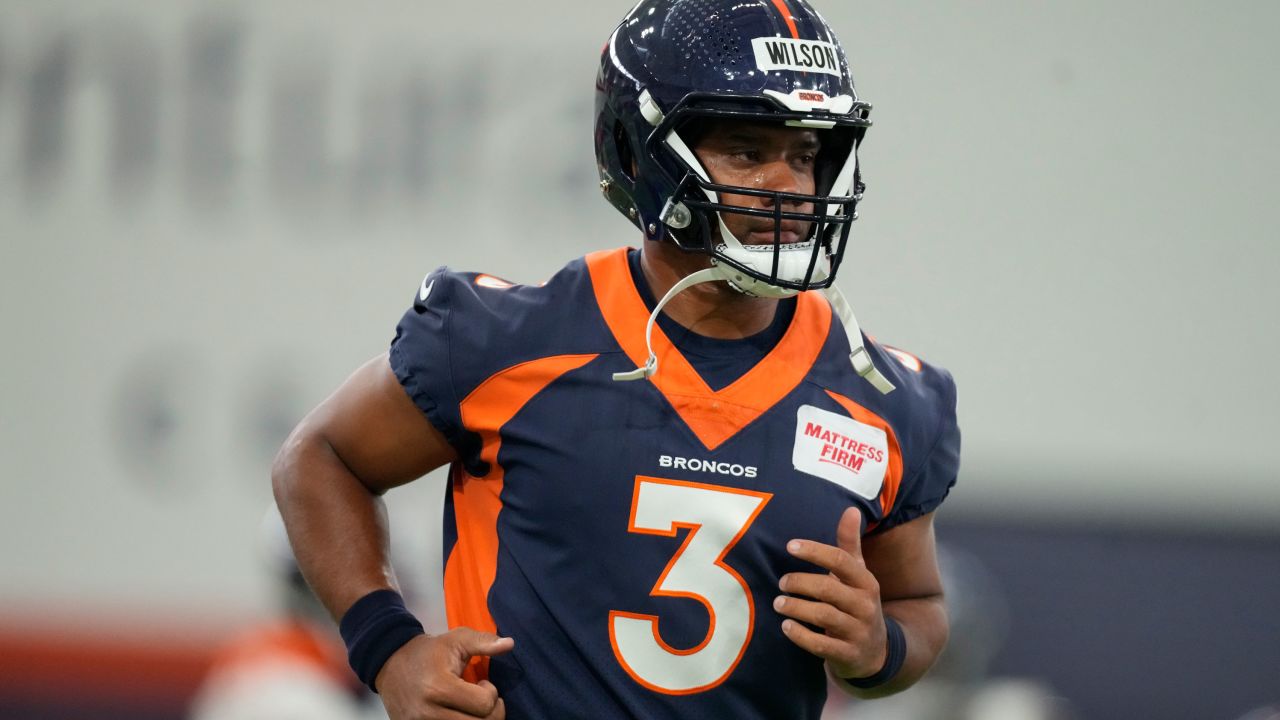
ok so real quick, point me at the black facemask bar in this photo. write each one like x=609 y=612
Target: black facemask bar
x=828 y=231
x=831 y=218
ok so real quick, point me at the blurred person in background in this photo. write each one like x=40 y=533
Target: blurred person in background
x=290 y=668
x=960 y=685
x=797 y=454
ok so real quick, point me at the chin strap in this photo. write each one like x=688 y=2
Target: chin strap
x=859 y=356
x=651 y=365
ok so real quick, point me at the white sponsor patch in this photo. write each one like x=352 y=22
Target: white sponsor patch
x=850 y=454
x=775 y=53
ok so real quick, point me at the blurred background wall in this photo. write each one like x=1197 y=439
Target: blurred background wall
x=211 y=212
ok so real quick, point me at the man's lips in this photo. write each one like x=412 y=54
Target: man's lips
x=763 y=234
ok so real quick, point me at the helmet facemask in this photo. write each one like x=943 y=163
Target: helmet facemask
x=672 y=61
x=694 y=213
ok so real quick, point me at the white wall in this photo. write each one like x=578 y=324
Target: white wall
x=1067 y=207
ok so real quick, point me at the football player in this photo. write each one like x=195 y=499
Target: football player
x=292 y=666
x=683 y=481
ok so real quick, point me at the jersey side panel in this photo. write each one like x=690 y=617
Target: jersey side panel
x=477 y=501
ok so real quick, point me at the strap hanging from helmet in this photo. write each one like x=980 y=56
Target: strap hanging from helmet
x=858 y=357
x=651 y=365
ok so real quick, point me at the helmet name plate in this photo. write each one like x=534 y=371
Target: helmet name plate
x=775 y=53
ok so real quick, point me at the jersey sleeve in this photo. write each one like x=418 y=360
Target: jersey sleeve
x=465 y=327
x=929 y=480
x=422 y=354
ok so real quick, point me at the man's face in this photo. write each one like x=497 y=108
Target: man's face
x=763 y=157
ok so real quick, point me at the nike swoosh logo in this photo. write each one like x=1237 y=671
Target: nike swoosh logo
x=425 y=290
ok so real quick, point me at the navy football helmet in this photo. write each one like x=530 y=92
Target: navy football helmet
x=671 y=64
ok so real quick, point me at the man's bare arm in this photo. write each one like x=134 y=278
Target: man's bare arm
x=894 y=574
x=364 y=439
x=905 y=563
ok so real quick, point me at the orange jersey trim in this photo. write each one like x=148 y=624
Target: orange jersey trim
x=911 y=362
x=473 y=563
x=713 y=416
x=893 y=476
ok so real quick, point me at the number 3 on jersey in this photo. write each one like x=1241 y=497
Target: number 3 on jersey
x=716 y=518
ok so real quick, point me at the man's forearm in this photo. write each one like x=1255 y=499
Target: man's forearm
x=337 y=527
x=924 y=623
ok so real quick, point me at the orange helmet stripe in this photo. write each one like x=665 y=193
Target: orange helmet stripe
x=786 y=15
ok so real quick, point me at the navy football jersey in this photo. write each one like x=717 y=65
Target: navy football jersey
x=630 y=535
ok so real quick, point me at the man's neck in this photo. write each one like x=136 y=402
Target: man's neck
x=711 y=309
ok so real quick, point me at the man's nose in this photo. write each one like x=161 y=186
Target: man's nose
x=780 y=177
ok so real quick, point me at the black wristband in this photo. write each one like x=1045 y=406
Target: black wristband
x=376 y=626
x=896 y=656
